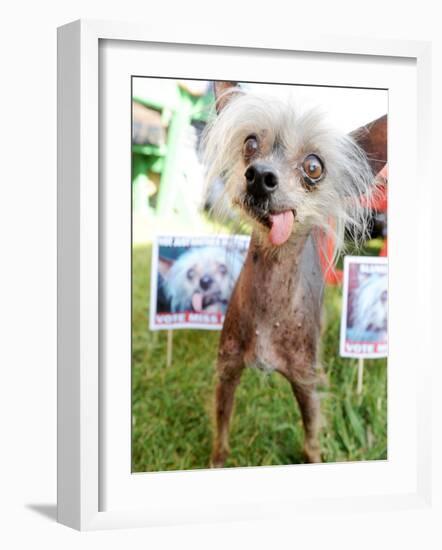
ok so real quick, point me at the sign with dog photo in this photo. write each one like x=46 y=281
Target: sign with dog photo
x=365 y=307
x=192 y=279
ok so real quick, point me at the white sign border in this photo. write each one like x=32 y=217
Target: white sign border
x=154 y=279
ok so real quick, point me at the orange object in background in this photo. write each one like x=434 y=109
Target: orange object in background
x=384 y=249
x=326 y=242
x=326 y=246
x=383 y=204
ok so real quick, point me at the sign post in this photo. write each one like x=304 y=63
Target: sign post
x=192 y=278
x=364 y=311
x=169 y=347
x=360 y=375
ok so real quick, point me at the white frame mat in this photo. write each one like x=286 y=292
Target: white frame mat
x=82 y=468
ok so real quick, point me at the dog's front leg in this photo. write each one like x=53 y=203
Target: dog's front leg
x=229 y=370
x=308 y=401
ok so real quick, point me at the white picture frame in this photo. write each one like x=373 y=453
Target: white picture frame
x=81 y=295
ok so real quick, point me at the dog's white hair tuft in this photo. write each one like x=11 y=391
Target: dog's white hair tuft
x=335 y=205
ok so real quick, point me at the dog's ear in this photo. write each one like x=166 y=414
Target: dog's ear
x=224 y=90
x=164 y=265
x=372 y=138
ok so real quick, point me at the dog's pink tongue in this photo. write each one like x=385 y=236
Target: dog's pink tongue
x=282 y=225
x=197 y=301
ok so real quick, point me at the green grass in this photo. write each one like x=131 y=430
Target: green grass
x=172 y=407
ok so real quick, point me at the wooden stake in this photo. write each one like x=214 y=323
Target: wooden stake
x=360 y=375
x=169 y=347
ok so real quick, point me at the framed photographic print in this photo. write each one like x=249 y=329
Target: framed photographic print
x=221 y=207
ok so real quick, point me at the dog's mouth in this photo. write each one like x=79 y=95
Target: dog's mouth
x=201 y=301
x=279 y=224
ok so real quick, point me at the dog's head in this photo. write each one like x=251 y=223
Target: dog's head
x=289 y=171
x=202 y=279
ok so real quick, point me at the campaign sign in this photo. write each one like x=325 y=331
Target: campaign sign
x=364 y=318
x=192 y=279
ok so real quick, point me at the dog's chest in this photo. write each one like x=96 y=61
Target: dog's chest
x=277 y=336
x=278 y=305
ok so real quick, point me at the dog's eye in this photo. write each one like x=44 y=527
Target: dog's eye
x=190 y=274
x=250 y=146
x=313 y=168
x=222 y=269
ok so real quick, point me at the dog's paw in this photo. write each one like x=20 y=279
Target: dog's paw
x=218 y=459
x=217 y=464
x=312 y=453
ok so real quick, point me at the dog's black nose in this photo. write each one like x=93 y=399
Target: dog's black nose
x=205 y=282
x=261 y=179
